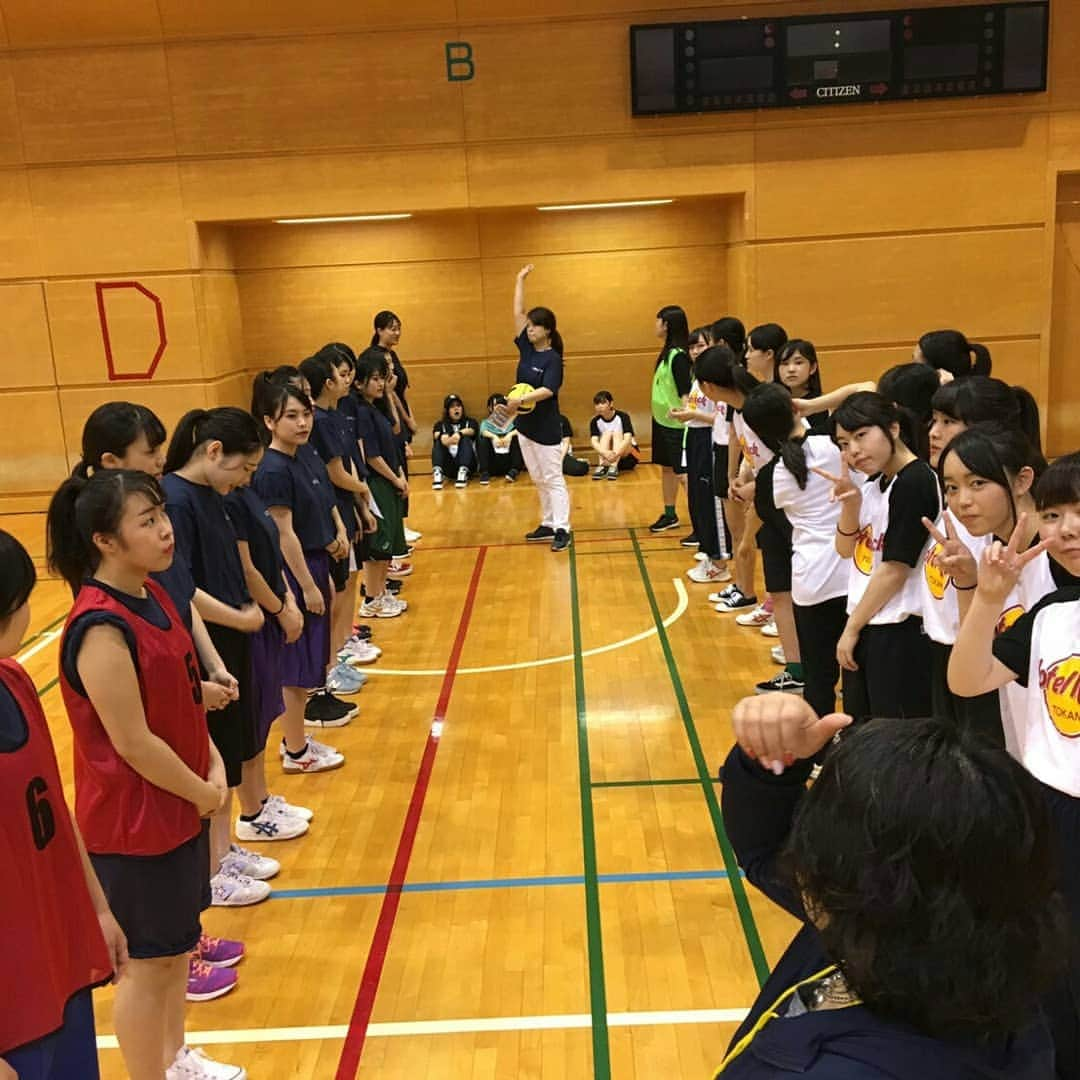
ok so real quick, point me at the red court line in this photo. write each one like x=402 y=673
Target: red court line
x=380 y=942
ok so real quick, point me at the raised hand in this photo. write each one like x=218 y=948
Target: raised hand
x=779 y=729
x=525 y=271
x=955 y=557
x=1001 y=564
x=843 y=486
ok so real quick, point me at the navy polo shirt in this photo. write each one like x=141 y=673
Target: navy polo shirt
x=205 y=539
x=539 y=369
x=253 y=524
x=287 y=481
x=377 y=434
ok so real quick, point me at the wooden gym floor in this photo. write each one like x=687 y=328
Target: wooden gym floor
x=521 y=870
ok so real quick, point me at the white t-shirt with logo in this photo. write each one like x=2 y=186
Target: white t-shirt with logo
x=753 y=449
x=1040 y=712
x=698 y=401
x=818 y=572
x=940 y=604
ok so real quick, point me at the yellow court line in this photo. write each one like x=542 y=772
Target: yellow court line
x=680 y=610
x=556 y=1022
x=48 y=639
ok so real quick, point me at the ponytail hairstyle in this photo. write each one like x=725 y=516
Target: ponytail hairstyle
x=235 y=429
x=17 y=576
x=112 y=428
x=338 y=352
x=545 y=317
x=768 y=336
x=81 y=509
x=383 y=321
x=719 y=366
x=371 y=362
x=980 y=399
x=1060 y=484
x=996 y=454
x=769 y=414
x=678 y=330
x=271 y=399
x=949 y=350
x=729 y=331
x=319 y=370
x=806 y=349
x=869 y=408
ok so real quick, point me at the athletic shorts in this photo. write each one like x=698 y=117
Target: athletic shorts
x=157 y=899
x=68 y=1052
x=388 y=540
x=232 y=729
x=667 y=448
x=775 y=559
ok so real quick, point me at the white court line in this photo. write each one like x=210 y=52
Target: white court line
x=456 y=1027
x=680 y=610
x=48 y=639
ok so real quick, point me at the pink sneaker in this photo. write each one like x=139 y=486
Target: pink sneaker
x=205 y=983
x=219 y=952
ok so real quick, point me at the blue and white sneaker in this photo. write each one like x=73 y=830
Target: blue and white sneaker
x=270 y=826
x=345 y=680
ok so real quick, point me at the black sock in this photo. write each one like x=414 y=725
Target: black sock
x=297 y=755
x=250 y=817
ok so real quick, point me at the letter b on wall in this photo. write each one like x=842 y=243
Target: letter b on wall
x=459 y=62
x=132 y=329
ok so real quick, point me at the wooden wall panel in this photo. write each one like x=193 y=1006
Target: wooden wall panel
x=19 y=248
x=1063 y=405
x=234 y=389
x=221 y=337
x=429 y=383
x=238 y=189
x=94 y=104
x=312 y=93
x=865 y=290
x=11 y=152
x=32 y=419
x=24 y=337
x=110 y=219
x=892 y=175
x=78 y=346
x=30 y=23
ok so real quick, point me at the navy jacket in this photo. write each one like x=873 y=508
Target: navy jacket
x=838 y=1044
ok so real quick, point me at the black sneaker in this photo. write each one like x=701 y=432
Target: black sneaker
x=511 y=476
x=541 y=532
x=484 y=478
x=325 y=710
x=362 y=631
x=663 y=523
x=782 y=682
x=736 y=600
x=690 y=541
x=600 y=472
x=561 y=541
x=393 y=585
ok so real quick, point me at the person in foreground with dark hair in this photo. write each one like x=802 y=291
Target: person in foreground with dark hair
x=921 y=956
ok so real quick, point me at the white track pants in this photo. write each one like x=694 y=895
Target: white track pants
x=545 y=467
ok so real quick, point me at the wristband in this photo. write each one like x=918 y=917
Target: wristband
x=280 y=609
x=963 y=588
x=842 y=533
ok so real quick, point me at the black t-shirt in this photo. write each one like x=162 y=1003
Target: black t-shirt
x=377 y=434
x=539 y=369
x=253 y=524
x=287 y=481
x=205 y=539
x=14 y=729
x=913 y=495
x=452 y=427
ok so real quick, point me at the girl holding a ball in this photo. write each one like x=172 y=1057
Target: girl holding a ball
x=540 y=365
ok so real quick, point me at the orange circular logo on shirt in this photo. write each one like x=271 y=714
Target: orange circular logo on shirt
x=937 y=581
x=864 y=550
x=1060 y=686
x=1008 y=617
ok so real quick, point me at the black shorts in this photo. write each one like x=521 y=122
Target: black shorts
x=157 y=899
x=775 y=559
x=339 y=573
x=667 y=448
x=233 y=728
x=719 y=471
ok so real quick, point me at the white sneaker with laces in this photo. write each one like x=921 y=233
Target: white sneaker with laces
x=436 y=478
x=358 y=651
x=278 y=805
x=316 y=758
x=231 y=889
x=270 y=826
x=249 y=864
x=707 y=572
x=462 y=477
x=758 y=617
x=412 y=536
x=770 y=630
x=387 y=607
x=722 y=595
x=193 y=1064
x=777 y=654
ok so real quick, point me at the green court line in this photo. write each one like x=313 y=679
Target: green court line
x=648 y=783
x=742 y=901
x=594 y=936
x=47 y=687
x=39 y=633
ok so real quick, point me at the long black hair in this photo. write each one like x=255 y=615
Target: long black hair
x=82 y=508
x=678 y=330
x=889 y=851
x=731 y=332
x=545 y=317
x=981 y=399
x=949 y=350
x=805 y=349
x=112 y=428
x=370 y=362
x=235 y=429
x=868 y=408
x=17 y=578
x=769 y=413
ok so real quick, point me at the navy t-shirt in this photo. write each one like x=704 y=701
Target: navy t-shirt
x=180 y=585
x=347 y=410
x=287 y=481
x=14 y=729
x=253 y=524
x=377 y=434
x=539 y=369
x=331 y=436
x=205 y=539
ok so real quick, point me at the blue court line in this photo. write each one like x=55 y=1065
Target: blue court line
x=500 y=883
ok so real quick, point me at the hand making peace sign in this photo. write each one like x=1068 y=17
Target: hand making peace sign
x=954 y=558
x=843 y=486
x=1001 y=564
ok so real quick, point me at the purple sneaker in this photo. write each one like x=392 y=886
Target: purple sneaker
x=219 y=952
x=205 y=983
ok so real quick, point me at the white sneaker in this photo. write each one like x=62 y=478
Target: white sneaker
x=315 y=758
x=777 y=654
x=278 y=805
x=700 y=556
x=231 y=889
x=249 y=864
x=707 y=572
x=436 y=478
x=358 y=651
x=412 y=536
x=722 y=595
x=758 y=617
x=769 y=629
x=270 y=826
x=462 y=477
x=387 y=607
x=195 y=1065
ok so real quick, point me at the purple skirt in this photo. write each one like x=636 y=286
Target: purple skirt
x=303 y=663
x=268 y=700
